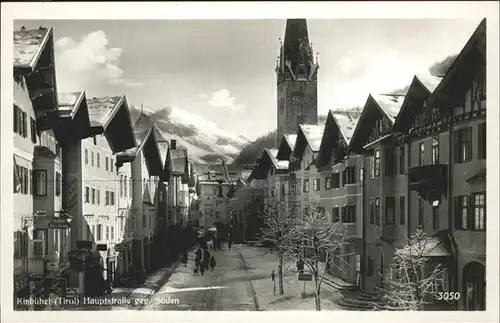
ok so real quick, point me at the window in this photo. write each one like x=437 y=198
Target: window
x=40 y=242
x=91 y=158
x=463 y=145
x=94 y=140
x=402 y=210
x=349 y=175
x=316 y=184
x=25 y=125
x=461 y=212
x=349 y=214
x=371 y=162
x=121 y=185
x=336 y=180
x=322 y=211
x=402 y=168
x=111 y=164
x=98 y=196
x=33 y=130
x=435 y=217
x=112 y=198
x=361 y=174
x=479 y=205
x=421 y=154
x=16 y=118
x=421 y=212
x=86 y=156
x=376 y=164
x=98 y=160
x=58 y=184
x=390 y=210
x=305 y=187
x=435 y=150
x=377 y=211
x=106 y=198
x=25 y=181
x=92 y=195
x=372 y=211
x=107 y=233
x=113 y=232
x=130 y=187
x=328 y=183
x=107 y=165
x=98 y=233
x=370 y=267
x=87 y=194
x=390 y=162
x=481 y=138
x=41 y=182
x=125 y=190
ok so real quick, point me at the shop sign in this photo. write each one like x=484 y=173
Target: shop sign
x=59 y=223
x=102 y=247
x=121 y=247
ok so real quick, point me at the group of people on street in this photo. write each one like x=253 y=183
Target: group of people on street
x=202 y=262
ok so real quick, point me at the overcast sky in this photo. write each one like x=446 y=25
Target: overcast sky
x=223 y=70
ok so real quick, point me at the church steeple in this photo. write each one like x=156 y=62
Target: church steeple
x=296 y=57
x=297 y=76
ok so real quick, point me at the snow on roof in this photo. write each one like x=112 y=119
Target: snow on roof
x=131 y=152
x=346 y=121
x=68 y=102
x=28 y=45
x=313 y=134
x=178 y=159
x=429 y=81
x=100 y=109
x=291 y=139
x=273 y=153
x=390 y=105
x=141 y=128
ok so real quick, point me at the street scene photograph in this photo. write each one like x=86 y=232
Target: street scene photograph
x=291 y=164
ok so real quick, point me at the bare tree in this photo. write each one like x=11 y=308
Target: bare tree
x=413 y=279
x=315 y=241
x=278 y=228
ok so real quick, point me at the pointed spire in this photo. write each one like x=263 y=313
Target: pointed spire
x=297 y=48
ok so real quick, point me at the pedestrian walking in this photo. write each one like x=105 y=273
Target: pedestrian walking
x=185 y=259
x=212 y=263
x=229 y=245
x=202 y=270
x=274 y=283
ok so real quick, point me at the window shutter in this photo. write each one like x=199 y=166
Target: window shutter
x=25 y=125
x=470 y=212
x=456 y=146
x=15 y=118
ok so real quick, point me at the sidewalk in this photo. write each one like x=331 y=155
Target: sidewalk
x=261 y=264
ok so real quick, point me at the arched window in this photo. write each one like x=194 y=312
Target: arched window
x=474 y=285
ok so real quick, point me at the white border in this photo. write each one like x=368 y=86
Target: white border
x=246 y=10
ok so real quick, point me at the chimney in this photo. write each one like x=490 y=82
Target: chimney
x=173 y=144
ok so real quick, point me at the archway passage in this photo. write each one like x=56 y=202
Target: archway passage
x=474 y=282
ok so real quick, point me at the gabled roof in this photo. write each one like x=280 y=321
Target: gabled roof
x=475 y=48
x=414 y=100
x=339 y=126
x=286 y=146
x=375 y=105
x=111 y=116
x=309 y=135
x=69 y=103
x=28 y=47
x=389 y=105
x=278 y=164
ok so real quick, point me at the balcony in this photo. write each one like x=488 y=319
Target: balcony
x=429 y=181
x=390 y=232
x=36 y=267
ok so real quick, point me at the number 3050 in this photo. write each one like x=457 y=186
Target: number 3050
x=448 y=296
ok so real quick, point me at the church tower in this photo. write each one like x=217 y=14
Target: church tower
x=297 y=78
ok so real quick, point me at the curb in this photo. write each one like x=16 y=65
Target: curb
x=250 y=284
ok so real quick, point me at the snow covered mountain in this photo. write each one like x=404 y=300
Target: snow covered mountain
x=205 y=141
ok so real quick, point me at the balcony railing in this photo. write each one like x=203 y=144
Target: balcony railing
x=430 y=181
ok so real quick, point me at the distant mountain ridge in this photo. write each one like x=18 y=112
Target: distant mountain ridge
x=205 y=141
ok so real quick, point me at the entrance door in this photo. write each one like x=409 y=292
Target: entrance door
x=474 y=287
